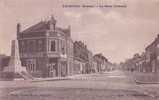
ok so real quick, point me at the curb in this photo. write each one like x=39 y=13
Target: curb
x=142 y=82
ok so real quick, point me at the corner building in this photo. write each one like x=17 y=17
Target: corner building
x=46 y=50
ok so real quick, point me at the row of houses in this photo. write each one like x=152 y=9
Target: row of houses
x=49 y=51
x=148 y=61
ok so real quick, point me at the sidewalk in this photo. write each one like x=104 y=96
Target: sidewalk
x=76 y=76
x=150 y=89
x=50 y=79
x=146 y=78
x=148 y=82
x=143 y=77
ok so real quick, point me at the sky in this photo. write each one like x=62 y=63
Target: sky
x=117 y=32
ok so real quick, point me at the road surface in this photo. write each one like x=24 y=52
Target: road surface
x=114 y=85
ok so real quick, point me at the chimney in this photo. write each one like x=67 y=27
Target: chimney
x=18 y=29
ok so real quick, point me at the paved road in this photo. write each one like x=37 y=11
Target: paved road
x=115 y=85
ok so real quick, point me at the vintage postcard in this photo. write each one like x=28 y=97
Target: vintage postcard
x=79 y=50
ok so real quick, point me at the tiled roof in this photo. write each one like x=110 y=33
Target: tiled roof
x=154 y=43
x=41 y=26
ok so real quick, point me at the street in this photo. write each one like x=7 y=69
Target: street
x=114 y=85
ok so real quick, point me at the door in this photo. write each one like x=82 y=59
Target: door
x=52 y=70
x=31 y=65
x=63 y=68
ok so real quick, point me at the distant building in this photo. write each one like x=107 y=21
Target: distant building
x=110 y=66
x=152 y=55
x=136 y=63
x=148 y=61
x=128 y=65
x=45 y=49
x=101 y=62
x=139 y=62
x=142 y=65
x=82 y=58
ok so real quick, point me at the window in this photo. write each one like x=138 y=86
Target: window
x=53 y=47
x=40 y=45
x=32 y=45
x=63 y=49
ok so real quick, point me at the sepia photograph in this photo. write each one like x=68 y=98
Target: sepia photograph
x=79 y=50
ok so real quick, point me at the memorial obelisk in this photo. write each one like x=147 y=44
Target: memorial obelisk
x=14 y=63
x=15 y=66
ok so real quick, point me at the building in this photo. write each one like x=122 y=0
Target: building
x=45 y=49
x=142 y=66
x=82 y=58
x=94 y=65
x=139 y=63
x=101 y=62
x=152 y=55
x=136 y=63
x=110 y=66
x=90 y=68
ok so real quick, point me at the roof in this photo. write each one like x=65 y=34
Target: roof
x=43 y=26
x=154 y=43
x=101 y=56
